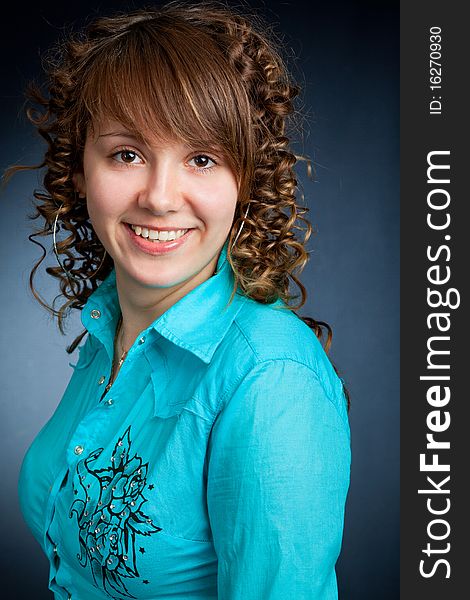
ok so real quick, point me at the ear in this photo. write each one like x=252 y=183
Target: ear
x=80 y=184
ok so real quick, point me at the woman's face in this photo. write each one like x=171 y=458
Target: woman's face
x=162 y=212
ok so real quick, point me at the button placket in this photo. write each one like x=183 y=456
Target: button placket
x=135 y=350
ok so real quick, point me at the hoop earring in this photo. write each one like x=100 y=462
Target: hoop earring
x=238 y=234
x=68 y=273
x=241 y=227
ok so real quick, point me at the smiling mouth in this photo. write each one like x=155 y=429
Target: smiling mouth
x=154 y=235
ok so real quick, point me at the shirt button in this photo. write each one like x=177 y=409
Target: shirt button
x=142 y=340
x=109 y=401
x=78 y=450
x=101 y=380
x=95 y=314
x=55 y=549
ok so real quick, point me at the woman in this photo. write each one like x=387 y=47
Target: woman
x=201 y=448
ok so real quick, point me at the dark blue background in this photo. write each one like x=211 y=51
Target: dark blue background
x=348 y=58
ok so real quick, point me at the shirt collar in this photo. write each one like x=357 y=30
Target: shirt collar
x=198 y=322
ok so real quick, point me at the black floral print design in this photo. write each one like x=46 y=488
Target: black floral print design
x=109 y=514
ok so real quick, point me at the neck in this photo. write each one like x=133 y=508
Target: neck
x=141 y=305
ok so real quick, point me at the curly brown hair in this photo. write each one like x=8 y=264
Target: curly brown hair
x=237 y=93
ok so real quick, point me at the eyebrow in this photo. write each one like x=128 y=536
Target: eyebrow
x=216 y=148
x=118 y=134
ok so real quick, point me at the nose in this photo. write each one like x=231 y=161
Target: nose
x=161 y=191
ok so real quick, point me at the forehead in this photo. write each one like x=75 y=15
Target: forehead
x=109 y=129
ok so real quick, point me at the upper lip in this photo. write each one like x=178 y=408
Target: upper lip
x=155 y=228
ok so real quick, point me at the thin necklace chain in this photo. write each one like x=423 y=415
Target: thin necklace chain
x=116 y=364
x=119 y=336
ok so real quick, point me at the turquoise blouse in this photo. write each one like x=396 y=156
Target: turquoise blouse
x=216 y=466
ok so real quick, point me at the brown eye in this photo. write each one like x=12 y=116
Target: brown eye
x=127 y=156
x=203 y=162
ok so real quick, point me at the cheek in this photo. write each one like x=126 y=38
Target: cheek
x=104 y=198
x=218 y=202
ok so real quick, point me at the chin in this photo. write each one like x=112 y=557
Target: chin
x=157 y=281
x=164 y=278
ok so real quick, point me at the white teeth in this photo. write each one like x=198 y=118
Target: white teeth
x=154 y=235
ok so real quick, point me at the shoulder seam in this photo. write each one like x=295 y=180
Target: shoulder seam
x=245 y=337
x=243 y=376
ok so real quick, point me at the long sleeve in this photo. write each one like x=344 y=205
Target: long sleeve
x=278 y=476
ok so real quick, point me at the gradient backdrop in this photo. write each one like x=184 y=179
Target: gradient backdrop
x=348 y=54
